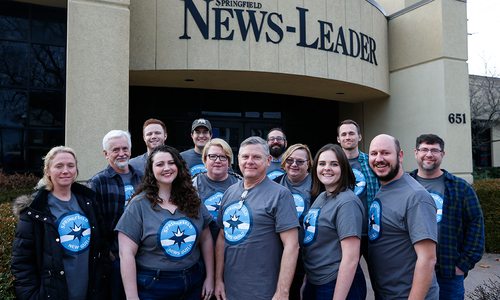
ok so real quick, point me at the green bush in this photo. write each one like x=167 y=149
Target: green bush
x=11 y=186
x=7 y=227
x=486 y=173
x=488 y=191
x=15 y=185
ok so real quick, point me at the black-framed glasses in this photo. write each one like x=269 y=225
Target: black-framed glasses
x=275 y=138
x=298 y=162
x=215 y=156
x=433 y=151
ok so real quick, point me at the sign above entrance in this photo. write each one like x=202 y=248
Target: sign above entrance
x=224 y=19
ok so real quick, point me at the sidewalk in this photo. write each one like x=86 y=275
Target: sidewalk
x=487 y=268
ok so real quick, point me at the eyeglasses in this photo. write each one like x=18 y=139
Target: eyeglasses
x=275 y=138
x=432 y=151
x=215 y=156
x=298 y=162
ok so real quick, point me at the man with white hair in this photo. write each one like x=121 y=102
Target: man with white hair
x=114 y=187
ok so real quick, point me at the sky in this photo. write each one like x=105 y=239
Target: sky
x=483 y=26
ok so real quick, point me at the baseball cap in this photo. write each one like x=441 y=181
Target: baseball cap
x=201 y=122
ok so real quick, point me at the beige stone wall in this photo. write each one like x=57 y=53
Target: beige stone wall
x=97 y=77
x=155 y=46
x=428 y=80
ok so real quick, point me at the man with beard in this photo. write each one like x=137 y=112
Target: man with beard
x=367 y=185
x=114 y=187
x=201 y=133
x=459 y=216
x=276 y=140
x=403 y=229
x=154 y=133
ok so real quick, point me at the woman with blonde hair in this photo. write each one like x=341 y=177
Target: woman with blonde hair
x=56 y=247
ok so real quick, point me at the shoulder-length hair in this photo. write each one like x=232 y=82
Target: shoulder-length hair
x=347 y=179
x=183 y=193
x=292 y=149
x=46 y=182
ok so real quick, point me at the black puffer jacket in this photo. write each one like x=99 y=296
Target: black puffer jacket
x=37 y=256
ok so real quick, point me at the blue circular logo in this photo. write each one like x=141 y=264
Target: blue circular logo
x=275 y=173
x=237 y=222
x=199 y=168
x=177 y=237
x=300 y=204
x=74 y=232
x=374 y=218
x=213 y=203
x=438 y=199
x=360 y=182
x=310 y=223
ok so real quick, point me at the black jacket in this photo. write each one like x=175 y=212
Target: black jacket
x=37 y=256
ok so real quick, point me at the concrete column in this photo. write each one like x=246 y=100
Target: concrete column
x=97 y=75
x=428 y=82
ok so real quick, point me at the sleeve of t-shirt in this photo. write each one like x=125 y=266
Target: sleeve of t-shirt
x=285 y=212
x=349 y=219
x=421 y=217
x=207 y=217
x=130 y=222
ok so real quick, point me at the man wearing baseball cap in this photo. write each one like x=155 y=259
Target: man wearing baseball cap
x=201 y=133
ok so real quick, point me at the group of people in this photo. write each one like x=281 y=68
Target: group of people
x=170 y=225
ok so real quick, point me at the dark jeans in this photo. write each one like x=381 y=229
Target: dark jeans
x=117 y=291
x=326 y=291
x=165 y=285
x=451 y=288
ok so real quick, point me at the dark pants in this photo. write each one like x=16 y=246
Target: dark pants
x=326 y=291
x=451 y=288
x=165 y=285
x=117 y=291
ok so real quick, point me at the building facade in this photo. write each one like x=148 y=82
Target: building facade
x=396 y=67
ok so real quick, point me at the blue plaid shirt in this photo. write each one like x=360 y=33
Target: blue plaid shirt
x=461 y=234
x=372 y=183
x=110 y=199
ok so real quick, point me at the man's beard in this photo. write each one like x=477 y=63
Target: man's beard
x=392 y=173
x=121 y=164
x=277 y=150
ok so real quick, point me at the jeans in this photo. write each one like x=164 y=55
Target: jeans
x=451 y=288
x=185 y=284
x=117 y=291
x=326 y=291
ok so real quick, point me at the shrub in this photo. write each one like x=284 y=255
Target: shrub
x=7 y=228
x=489 y=290
x=15 y=185
x=488 y=191
x=11 y=186
x=486 y=173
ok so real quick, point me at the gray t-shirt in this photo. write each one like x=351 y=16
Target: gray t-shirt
x=74 y=235
x=253 y=246
x=436 y=188
x=211 y=191
x=274 y=170
x=360 y=189
x=301 y=193
x=139 y=163
x=194 y=162
x=167 y=242
x=128 y=187
x=402 y=214
x=328 y=221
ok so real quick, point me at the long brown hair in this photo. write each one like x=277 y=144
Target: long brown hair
x=347 y=179
x=183 y=193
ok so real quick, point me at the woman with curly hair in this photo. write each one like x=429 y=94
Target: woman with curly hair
x=162 y=233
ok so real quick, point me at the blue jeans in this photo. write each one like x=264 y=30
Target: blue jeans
x=451 y=288
x=326 y=291
x=165 y=285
